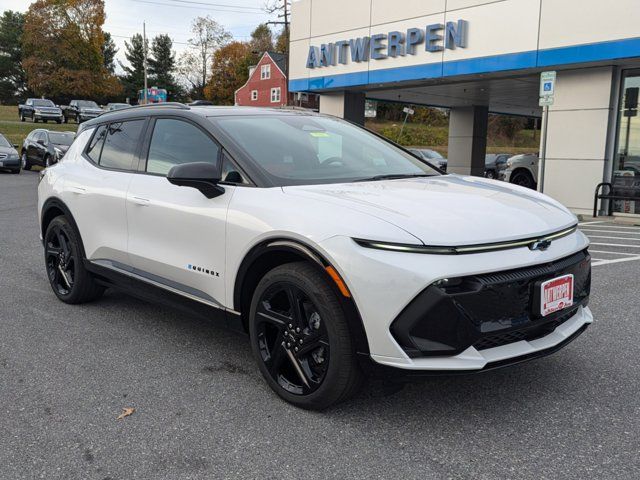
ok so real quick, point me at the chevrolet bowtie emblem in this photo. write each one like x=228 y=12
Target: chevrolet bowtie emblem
x=540 y=245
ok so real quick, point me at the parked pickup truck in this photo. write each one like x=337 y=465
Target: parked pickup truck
x=39 y=109
x=81 y=110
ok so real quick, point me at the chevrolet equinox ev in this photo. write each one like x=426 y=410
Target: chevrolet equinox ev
x=340 y=253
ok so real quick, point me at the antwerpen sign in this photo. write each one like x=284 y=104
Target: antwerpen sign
x=433 y=38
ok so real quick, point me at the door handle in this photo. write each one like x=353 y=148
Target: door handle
x=78 y=190
x=140 y=201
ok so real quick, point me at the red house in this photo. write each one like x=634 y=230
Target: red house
x=267 y=86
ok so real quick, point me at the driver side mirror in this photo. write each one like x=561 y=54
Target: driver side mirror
x=202 y=176
x=41 y=141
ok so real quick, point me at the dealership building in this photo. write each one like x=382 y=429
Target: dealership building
x=477 y=57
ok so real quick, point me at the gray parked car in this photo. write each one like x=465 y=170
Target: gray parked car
x=9 y=158
x=494 y=162
x=431 y=156
x=521 y=170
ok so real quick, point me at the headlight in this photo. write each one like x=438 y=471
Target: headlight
x=37 y=110
x=509 y=164
x=13 y=156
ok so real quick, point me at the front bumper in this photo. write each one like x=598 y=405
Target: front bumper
x=48 y=116
x=10 y=163
x=383 y=285
x=505 y=174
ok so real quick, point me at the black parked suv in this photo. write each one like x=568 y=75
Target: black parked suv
x=9 y=158
x=40 y=109
x=45 y=147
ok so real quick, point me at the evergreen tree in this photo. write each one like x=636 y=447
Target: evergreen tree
x=162 y=64
x=109 y=51
x=133 y=79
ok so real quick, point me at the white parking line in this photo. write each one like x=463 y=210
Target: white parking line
x=591 y=223
x=623 y=232
x=615 y=245
x=617 y=260
x=611 y=226
x=615 y=238
x=613 y=253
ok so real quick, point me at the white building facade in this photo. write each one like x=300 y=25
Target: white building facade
x=477 y=57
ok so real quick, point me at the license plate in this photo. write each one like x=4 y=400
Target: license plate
x=556 y=294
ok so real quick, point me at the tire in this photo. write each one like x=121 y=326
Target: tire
x=78 y=119
x=45 y=120
x=24 y=162
x=317 y=338
x=59 y=121
x=34 y=119
x=22 y=117
x=490 y=174
x=523 y=178
x=68 y=278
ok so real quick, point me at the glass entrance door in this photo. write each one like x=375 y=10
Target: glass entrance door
x=626 y=165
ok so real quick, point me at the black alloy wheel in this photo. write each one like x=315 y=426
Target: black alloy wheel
x=293 y=340
x=24 y=162
x=60 y=259
x=69 y=279
x=300 y=338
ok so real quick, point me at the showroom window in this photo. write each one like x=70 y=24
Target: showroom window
x=275 y=95
x=265 y=72
x=175 y=142
x=254 y=95
x=626 y=165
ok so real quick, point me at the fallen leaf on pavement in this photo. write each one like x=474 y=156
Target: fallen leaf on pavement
x=126 y=412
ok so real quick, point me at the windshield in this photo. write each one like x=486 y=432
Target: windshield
x=87 y=104
x=40 y=102
x=61 y=138
x=4 y=142
x=433 y=154
x=305 y=149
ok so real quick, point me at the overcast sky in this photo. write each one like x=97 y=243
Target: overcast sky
x=173 y=17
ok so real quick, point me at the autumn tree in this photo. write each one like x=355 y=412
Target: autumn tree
x=261 y=39
x=12 y=75
x=194 y=65
x=133 y=78
x=62 y=48
x=229 y=71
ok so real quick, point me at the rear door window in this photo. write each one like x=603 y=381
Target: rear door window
x=95 y=146
x=121 y=144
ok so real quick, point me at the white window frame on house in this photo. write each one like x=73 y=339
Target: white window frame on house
x=265 y=71
x=254 y=95
x=276 y=94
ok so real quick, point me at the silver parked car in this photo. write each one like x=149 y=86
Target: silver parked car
x=521 y=170
x=431 y=156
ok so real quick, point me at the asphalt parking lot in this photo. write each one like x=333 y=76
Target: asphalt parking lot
x=202 y=411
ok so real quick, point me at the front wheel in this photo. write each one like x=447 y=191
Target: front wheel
x=22 y=117
x=24 y=162
x=69 y=279
x=524 y=179
x=300 y=338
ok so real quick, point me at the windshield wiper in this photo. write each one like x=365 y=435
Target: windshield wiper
x=394 y=176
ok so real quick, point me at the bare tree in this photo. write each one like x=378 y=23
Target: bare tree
x=194 y=64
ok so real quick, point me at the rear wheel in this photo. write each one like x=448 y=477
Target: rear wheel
x=70 y=281
x=300 y=338
x=523 y=178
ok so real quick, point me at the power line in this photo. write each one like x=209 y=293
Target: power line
x=217 y=5
x=196 y=8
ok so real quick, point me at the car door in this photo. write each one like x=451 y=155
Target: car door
x=176 y=234
x=35 y=149
x=97 y=190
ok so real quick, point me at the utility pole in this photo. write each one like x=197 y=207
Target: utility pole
x=285 y=23
x=144 y=47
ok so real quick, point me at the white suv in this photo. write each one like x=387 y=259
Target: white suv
x=338 y=252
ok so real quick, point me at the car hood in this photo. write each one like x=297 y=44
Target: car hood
x=8 y=150
x=448 y=210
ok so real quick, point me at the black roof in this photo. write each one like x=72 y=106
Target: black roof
x=280 y=59
x=202 y=111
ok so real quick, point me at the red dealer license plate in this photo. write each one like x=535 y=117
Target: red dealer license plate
x=556 y=294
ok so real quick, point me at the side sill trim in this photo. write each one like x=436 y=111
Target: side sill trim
x=156 y=281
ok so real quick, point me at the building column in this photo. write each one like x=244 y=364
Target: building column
x=577 y=132
x=467 y=140
x=347 y=105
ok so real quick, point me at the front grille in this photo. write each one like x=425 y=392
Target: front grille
x=488 y=310
x=530 y=333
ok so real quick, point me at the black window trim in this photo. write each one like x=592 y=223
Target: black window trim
x=136 y=156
